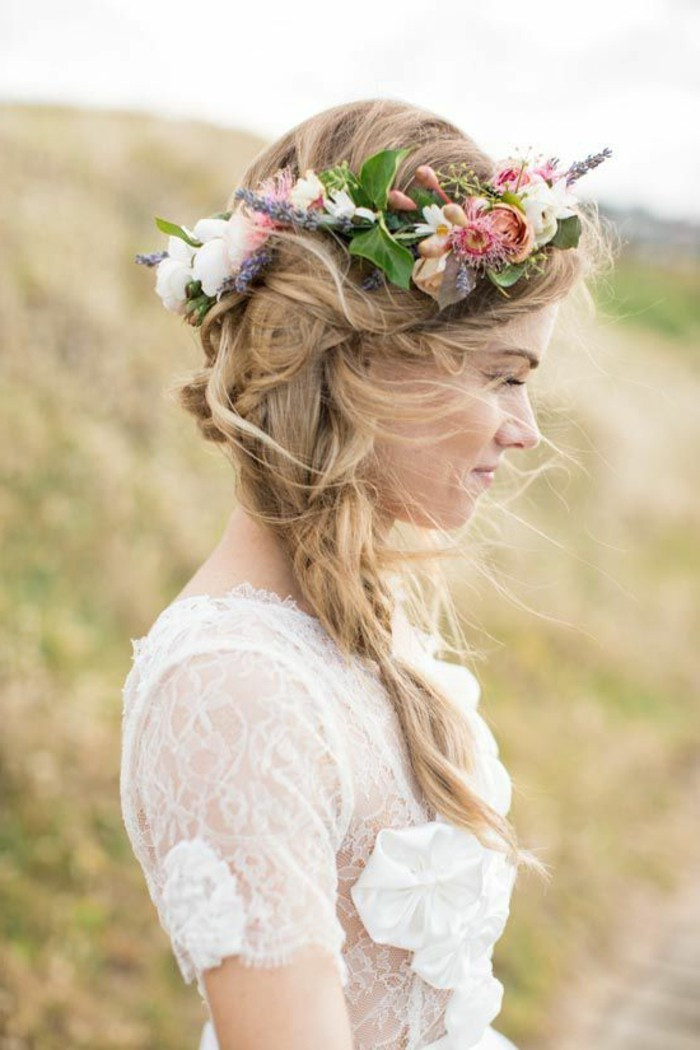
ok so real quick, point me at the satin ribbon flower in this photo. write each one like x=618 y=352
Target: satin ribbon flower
x=470 y=1009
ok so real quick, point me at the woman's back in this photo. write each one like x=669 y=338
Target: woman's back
x=259 y=766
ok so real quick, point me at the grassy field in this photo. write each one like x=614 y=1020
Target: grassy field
x=109 y=501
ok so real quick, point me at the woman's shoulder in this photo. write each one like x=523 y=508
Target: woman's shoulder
x=243 y=619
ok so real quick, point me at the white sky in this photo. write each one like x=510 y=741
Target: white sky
x=566 y=79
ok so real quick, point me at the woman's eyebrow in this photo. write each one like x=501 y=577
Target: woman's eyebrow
x=520 y=352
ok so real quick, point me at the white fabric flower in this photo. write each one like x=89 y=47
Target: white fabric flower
x=545 y=204
x=447 y=963
x=306 y=190
x=201 y=907
x=342 y=206
x=418 y=882
x=470 y=1009
x=435 y=890
x=492 y=781
x=435 y=221
x=174 y=273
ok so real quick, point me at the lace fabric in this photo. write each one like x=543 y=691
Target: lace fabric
x=259 y=765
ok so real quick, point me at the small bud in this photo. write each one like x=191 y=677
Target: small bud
x=425 y=176
x=400 y=201
x=455 y=213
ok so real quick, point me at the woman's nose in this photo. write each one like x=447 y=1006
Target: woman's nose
x=519 y=431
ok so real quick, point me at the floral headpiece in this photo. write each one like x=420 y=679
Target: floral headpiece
x=496 y=228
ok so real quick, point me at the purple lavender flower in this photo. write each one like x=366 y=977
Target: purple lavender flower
x=580 y=167
x=373 y=280
x=151 y=258
x=249 y=269
x=465 y=279
x=279 y=210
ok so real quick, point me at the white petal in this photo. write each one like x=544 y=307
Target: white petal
x=180 y=250
x=212 y=265
x=205 y=229
x=172 y=277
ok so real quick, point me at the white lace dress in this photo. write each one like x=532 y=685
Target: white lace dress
x=267 y=794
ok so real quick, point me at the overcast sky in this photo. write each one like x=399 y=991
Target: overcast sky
x=565 y=79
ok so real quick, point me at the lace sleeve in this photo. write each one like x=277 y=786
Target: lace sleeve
x=244 y=794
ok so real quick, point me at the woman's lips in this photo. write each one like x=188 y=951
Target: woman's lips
x=484 y=476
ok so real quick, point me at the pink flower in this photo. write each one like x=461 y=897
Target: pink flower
x=476 y=236
x=277 y=187
x=548 y=171
x=507 y=174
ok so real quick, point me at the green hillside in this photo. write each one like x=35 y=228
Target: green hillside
x=110 y=500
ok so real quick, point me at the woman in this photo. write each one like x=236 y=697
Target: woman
x=317 y=804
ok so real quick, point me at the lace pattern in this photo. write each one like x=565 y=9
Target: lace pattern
x=259 y=767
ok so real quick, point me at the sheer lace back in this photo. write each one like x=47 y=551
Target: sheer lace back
x=259 y=765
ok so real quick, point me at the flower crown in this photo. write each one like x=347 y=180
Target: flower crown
x=495 y=228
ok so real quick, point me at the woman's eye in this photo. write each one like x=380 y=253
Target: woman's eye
x=509 y=380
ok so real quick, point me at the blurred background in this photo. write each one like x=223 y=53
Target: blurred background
x=113 y=112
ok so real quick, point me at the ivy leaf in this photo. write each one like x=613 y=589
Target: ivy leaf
x=173 y=230
x=568 y=232
x=508 y=275
x=378 y=173
x=380 y=248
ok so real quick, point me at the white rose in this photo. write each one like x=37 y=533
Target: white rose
x=205 y=229
x=306 y=190
x=544 y=205
x=212 y=265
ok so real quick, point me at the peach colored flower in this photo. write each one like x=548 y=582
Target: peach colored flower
x=516 y=230
x=428 y=273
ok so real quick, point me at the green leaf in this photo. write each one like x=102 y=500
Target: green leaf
x=508 y=275
x=568 y=232
x=514 y=199
x=378 y=173
x=341 y=177
x=380 y=248
x=173 y=230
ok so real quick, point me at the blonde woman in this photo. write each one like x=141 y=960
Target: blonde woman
x=317 y=804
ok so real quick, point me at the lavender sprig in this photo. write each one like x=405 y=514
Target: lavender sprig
x=373 y=280
x=580 y=167
x=249 y=269
x=150 y=258
x=278 y=210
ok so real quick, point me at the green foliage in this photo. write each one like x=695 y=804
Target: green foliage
x=660 y=298
x=377 y=175
x=173 y=230
x=377 y=245
x=568 y=233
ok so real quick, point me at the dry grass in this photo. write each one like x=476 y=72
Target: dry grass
x=109 y=501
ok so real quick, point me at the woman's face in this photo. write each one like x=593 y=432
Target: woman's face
x=436 y=481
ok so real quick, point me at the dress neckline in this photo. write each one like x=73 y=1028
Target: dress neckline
x=245 y=589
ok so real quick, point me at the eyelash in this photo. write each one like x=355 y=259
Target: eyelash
x=509 y=380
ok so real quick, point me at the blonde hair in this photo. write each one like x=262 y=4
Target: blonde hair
x=285 y=390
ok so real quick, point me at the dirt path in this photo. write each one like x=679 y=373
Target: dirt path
x=646 y=994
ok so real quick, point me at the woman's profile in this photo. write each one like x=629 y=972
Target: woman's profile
x=316 y=801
